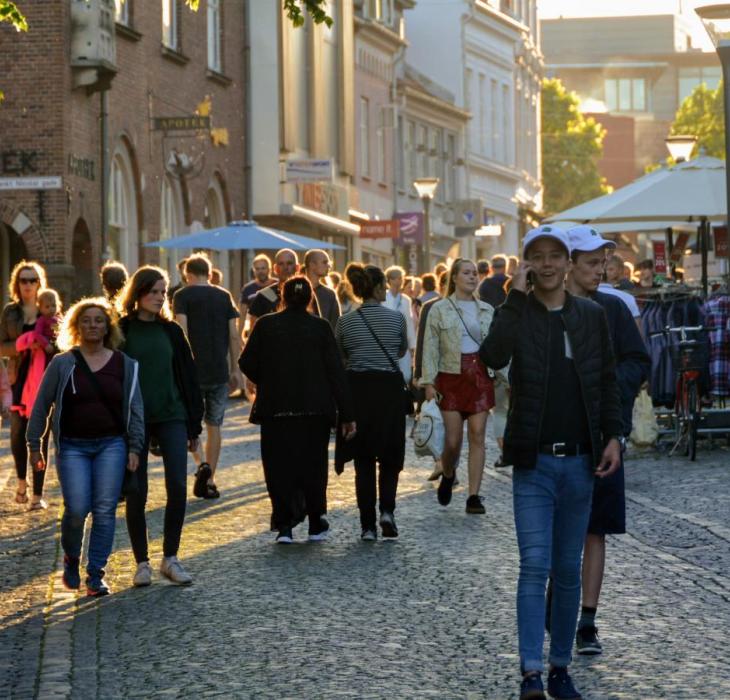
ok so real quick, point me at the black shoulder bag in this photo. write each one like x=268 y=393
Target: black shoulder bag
x=130 y=484
x=408 y=399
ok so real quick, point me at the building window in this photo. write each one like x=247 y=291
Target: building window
x=380 y=11
x=506 y=126
x=482 y=114
x=422 y=148
x=690 y=78
x=123 y=241
x=171 y=225
x=494 y=121
x=382 y=145
x=449 y=187
x=625 y=95
x=364 y=137
x=214 y=35
x=121 y=11
x=169 y=24
x=412 y=171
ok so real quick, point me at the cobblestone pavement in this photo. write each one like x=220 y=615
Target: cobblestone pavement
x=431 y=615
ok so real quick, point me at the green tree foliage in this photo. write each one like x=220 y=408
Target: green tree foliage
x=702 y=115
x=571 y=147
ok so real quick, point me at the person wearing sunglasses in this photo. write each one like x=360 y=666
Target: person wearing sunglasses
x=27 y=279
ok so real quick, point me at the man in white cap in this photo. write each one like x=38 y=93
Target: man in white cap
x=563 y=431
x=608 y=510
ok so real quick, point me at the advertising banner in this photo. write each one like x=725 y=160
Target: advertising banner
x=387 y=228
x=722 y=247
x=660 y=257
x=411 y=228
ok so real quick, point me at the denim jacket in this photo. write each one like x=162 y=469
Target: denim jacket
x=442 y=339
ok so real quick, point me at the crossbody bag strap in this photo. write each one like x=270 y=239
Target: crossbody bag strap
x=463 y=323
x=81 y=362
x=393 y=364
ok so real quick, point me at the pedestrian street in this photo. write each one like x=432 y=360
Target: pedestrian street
x=430 y=615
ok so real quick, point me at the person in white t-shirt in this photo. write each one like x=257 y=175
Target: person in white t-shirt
x=396 y=300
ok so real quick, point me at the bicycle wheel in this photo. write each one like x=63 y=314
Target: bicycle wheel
x=694 y=419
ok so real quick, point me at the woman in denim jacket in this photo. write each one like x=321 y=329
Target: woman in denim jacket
x=452 y=369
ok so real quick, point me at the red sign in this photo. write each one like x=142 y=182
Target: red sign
x=660 y=257
x=722 y=245
x=387 y=228
x=680 y=244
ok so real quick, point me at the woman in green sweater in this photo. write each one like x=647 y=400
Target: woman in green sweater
x=173 y=410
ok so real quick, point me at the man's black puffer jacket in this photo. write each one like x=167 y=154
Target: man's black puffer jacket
x=519 y=333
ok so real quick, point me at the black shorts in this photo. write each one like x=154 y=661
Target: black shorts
x=608 y=512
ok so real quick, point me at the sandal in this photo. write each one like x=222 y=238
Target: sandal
x=211 y=491
x=21 y=497
x=200 y=488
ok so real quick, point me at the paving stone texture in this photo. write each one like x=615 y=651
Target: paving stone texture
x=429 y=616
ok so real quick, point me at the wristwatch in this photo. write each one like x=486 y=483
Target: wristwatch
x=621 y=441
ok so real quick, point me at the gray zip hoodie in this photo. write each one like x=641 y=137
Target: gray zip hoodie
x=58 y=374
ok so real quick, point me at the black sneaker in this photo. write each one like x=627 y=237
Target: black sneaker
x=204 y=472
x=319 y=531
x=387 y=525
x=444 y=490
x=475 y=506
x=586 y=641
x=71 y=576
x=96 y=587
x=561 y=686
x=285 y=536
x=531 y=687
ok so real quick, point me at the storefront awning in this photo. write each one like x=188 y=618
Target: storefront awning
x=331 y=223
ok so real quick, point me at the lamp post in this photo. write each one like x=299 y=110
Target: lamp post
x=426 y=188
x=680 y=147
x=716 y=19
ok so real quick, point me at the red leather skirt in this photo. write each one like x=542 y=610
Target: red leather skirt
x=471 y=391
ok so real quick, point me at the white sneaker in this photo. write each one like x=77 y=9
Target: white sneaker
x=143 y=575
x=173 y=570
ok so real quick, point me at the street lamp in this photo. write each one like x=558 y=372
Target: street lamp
x=716 y=19
x=680 y=146
x=426 y=188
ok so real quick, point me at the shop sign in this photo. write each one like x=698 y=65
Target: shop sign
x=387 y=228
x=412 y=260
x=722 y=245
x=18 y=162
x=193 y=122
x=468 y=213
x=31 y=183
x=327 y=199
x=309 y=170
x=411 y=228
x=680 y=243
x=660 y=257
x=81 y=167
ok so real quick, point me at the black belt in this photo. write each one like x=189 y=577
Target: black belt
x=565 y=449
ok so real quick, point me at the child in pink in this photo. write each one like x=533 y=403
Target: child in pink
x=41 y=343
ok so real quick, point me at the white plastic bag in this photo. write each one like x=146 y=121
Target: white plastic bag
x=645 y=429
x=428 y=432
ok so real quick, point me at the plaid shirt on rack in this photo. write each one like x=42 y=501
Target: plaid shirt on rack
x=717 y=315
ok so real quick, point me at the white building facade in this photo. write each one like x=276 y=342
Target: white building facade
x=488 y=55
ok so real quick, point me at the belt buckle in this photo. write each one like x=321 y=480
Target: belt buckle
x=559 y=449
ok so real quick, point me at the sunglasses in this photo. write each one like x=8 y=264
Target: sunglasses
x=28 y=280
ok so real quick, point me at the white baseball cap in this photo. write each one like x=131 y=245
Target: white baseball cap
x=546 y=231
x=586 y=239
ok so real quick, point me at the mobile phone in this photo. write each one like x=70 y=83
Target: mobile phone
x=531 y=278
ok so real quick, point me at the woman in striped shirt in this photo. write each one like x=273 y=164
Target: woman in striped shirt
x=371 y=339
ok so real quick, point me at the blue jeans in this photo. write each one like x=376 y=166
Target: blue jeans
x=552 y=504
x=90 y=473
x=172 y=437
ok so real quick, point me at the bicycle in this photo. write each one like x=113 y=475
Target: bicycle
x=690 y=357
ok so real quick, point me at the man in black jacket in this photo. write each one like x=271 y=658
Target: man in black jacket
x=608 y=512
x=563 y=430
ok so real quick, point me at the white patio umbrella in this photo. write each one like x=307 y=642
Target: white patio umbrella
x=691 y=191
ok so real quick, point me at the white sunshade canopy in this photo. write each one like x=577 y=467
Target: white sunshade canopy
x=686 y=192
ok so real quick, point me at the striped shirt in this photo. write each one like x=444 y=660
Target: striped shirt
x=358 y=347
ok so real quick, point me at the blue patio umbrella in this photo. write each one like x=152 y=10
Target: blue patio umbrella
x=243 y=235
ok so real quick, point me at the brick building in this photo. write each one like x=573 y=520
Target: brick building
x=158 y=59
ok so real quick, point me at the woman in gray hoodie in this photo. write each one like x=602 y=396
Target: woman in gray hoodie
x=98 y=430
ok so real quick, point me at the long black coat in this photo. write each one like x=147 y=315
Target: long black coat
x=520 y=333
x=292 y=358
